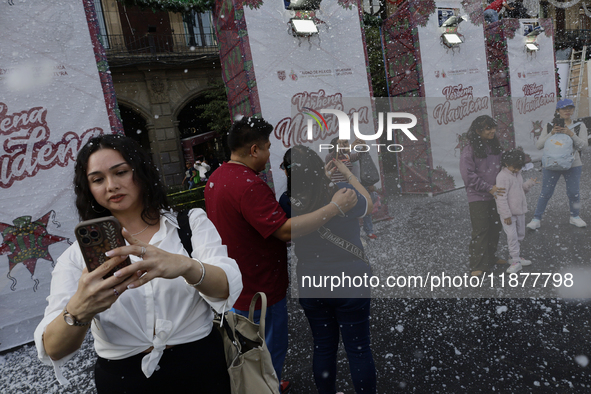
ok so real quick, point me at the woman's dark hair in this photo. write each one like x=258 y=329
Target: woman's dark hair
x=481 y=123
x=334 y=142
x=308 y=186
x=514 y=158
x=144 y=174
x=287 y=166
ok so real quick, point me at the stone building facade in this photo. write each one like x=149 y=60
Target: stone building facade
x=160 y=62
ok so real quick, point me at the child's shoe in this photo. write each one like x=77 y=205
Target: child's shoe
x=514 y=267
x=524 y=262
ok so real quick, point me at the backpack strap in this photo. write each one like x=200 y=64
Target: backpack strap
x=549 y=127
x=577 y=129
x=184 y=230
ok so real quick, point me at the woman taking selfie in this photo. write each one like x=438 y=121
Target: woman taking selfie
x=151 y=321
x=577 y=132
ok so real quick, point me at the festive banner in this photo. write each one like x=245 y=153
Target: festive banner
x=52 y=101
x=533 y=82
x=455 y=78
x=295 y=74
x=435 y=51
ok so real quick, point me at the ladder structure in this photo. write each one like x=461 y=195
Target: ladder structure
x=576 y=75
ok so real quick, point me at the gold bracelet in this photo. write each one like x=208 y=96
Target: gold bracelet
x=202 y=275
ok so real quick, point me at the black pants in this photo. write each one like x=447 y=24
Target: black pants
x=486 y=230
x=196 y=367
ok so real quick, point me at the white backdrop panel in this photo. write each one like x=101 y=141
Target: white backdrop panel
x=317 y=72
x=51 y=103
x=456 y=86
x=533 y=88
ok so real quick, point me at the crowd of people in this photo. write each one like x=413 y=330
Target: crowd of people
x=152 y=317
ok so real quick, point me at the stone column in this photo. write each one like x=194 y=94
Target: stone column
x=164 y=138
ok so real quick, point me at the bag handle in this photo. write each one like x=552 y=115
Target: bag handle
x=253 y=303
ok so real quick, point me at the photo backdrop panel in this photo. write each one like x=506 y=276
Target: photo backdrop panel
x=303 y=73
x=455 y=81
x=533 y=83
x=52 y=101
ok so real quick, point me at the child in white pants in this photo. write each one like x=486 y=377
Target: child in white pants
x=512 y=206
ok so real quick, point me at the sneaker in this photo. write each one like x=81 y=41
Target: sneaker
x=535 y=224
x=523 y=261
x=285 y=386
x=514 y=267
x=577 y=222
x=372 y=236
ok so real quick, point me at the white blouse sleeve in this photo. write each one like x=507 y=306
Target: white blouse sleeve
x=208 y=248
x=64 y=283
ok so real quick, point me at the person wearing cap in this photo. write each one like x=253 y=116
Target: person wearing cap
x=577 y=131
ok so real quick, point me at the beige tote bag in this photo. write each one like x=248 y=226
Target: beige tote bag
x=249 y=362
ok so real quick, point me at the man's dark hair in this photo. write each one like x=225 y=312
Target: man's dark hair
x=248 y=131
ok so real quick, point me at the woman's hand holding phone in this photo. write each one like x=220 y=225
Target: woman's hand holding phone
x=154 y=263
x=95 y=294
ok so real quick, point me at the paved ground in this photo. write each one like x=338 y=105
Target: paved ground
x=536 y=344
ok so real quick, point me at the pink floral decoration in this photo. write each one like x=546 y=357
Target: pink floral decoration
x=347 y=4
x=253 y=4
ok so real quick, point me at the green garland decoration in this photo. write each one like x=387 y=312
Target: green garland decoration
x=172 y=5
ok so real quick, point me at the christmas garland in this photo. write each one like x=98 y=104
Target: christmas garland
x=563 y=5
x=172 y=5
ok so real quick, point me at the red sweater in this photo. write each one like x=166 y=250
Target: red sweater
x=245 y=212
x=496 y=5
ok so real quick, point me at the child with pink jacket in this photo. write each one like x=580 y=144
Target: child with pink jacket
x=512 y=206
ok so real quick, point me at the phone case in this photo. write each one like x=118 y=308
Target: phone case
x=98 y=236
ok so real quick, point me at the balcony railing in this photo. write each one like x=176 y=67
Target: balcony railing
x=158 y=46
x=572 y=38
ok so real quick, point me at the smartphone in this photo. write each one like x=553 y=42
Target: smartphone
x=559 y=122
x=98 y=236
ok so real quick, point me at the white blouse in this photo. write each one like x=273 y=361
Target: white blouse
x=159 y=313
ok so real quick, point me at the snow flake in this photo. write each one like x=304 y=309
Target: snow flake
x=582 y=360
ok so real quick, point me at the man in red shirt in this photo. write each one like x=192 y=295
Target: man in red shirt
x=491 y=13
x=254 y=228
